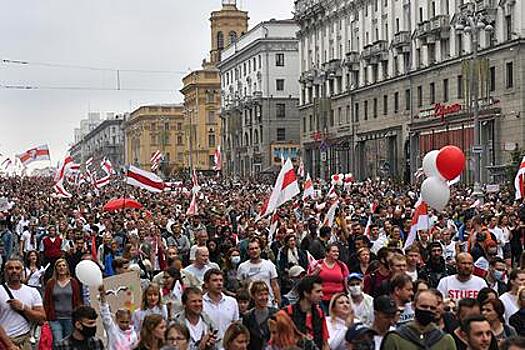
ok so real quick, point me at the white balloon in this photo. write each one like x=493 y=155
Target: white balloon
x=435 y=192
x=89 y=273
x=429 y=164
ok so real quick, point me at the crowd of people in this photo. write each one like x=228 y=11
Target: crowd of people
x=224 y=278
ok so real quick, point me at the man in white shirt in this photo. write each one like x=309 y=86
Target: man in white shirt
x=463 y=284
x=257 y=269
x=19 y=304
x=222 y=309
x=194 y=273
x=510 y=298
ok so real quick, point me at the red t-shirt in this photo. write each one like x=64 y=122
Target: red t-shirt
x=333 y=279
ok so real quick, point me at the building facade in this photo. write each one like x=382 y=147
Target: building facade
x=156 y=128
x=260 y=94
x=385 y=81
x=105 y=139
x=201 y=89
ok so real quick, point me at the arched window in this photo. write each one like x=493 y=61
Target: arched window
x=255 y=137
x=220 y=41
x=246 y=139
x=233 y=37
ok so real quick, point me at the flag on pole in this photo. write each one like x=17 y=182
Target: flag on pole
x=193 y=209
x=195 y=182
x=60 y=191
x=273 y=226
x=330 y=215
x=282 y=159
x=519 y=181
x=144 y=179
x=286 y=187
x=368 y=225
x=155 y=160
x=419 y=221
x=308 y=188
x=107 y=166
x=300 y=170
x=64 y=166
x=34 y=154
x=217 y=159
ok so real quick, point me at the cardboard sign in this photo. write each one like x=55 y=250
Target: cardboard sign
x=122 y=291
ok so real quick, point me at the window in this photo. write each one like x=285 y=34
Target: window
x=211 y=160
x=304 y=124
x=445 y=90
x=375 y=107
x=459 y=44
x=366 y=110
x=210 y=97
x=220 y=41
x=311 y=122
x=460 y=86
x=432 y=93
x=420 y=14
x=509 y=69
x=211 y=140
x=419 y=96
x=211 y=117
x=385 y=104
x=279 y=84
x=407 y=99
x=340 y=116
x=233 y=37
x=396 y=102
x=281 y=134
x=356 y=112
x=179 y=140
x=492 y=81
x=508 y=27
x=332 y=118
x=279 y=59
x=280 y=110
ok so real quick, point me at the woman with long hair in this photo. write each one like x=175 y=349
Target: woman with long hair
x=151 y=305
x=172 y=291
x=232 y=259
x=341 y=317
x=236 y=337
x=493 y=310
x=62 y=295
x=34 y=270
x=284 y=334
x=152 y=333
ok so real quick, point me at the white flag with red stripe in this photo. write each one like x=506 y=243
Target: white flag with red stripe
x=330 y=215
x=155 y=160
x=217 y=159
x=192 y=209
x=144 y=179
x=368 y=225
x=519 y=181
x=308 y=188
x=64 y=166
x=300 y=170
x=419 y=221
x=34 y=154
x=107 y=167
x=60 y=191
x=286 y=187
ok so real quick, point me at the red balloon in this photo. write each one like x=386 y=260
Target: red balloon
x=450 y=162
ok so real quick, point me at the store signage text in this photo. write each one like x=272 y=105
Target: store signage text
x=441 y=110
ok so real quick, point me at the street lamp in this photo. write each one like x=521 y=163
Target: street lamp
x=472 y=23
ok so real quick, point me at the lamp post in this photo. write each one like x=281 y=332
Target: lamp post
x=472 y=23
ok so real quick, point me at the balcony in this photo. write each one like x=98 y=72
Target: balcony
x=487 y=8
x=366 y=54
x=333 y=68
x=378 y=51
x=352 y=60
x=436 y=28
x=401 y=41
x=440 y=24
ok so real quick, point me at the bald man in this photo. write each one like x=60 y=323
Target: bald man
x=463 y=284
x=193 y=275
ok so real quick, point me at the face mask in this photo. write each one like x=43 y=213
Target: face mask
x=355 y=290
x=424 y=317
x=88 y=332
x=498 y=275
x=235 y=259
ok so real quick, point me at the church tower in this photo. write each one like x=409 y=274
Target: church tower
x=227 y=25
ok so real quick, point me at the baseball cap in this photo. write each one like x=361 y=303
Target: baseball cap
x=385 y=304
x=295 y=271
x=355 y=276
x=357 y=330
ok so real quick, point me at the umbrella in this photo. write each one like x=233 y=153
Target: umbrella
x=121 y=203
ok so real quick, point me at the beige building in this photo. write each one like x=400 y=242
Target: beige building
x=202 y=89
x=152 y=128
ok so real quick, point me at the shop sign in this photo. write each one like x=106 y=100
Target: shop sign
x=441 y=110
x=492 y=188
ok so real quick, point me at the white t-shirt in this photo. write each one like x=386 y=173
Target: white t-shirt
x=29 y=244
x=197 y=331
x=262 y=271
x=511 y=305
x=454 y=289
x=14 y=324
x=222 y=314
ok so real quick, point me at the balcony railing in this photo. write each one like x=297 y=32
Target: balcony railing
x=401 y=39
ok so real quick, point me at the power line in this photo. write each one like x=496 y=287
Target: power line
x=74 y=66
x=85 y=88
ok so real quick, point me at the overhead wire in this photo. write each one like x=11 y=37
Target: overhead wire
x=85 y=88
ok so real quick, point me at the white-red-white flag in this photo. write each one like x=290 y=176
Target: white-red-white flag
x=34 y=154
x=60 y=191
x=192 y=209
x=217 y=159
x=330 y=215
x=368 y=225
x=308 y=188
x=144 y=179
x=286 y=187
x=419 y=221
x=519 y=181
x=107 y=167
x=63 y=168
x=155 y=160
x=300 y=169
x=195 y=182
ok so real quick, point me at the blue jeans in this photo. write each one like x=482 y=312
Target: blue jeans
x=61 y=328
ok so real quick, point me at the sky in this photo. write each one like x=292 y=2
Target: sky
x=159 y=40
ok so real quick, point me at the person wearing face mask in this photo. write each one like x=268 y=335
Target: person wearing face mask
x=84 y=330
x=497 y=276
x=230 y=263
x=421 y=332
x=363 y=303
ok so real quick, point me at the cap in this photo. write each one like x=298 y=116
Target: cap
x=385 y=304
x=357 y=330
x=355 y=276
x=295 y=271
